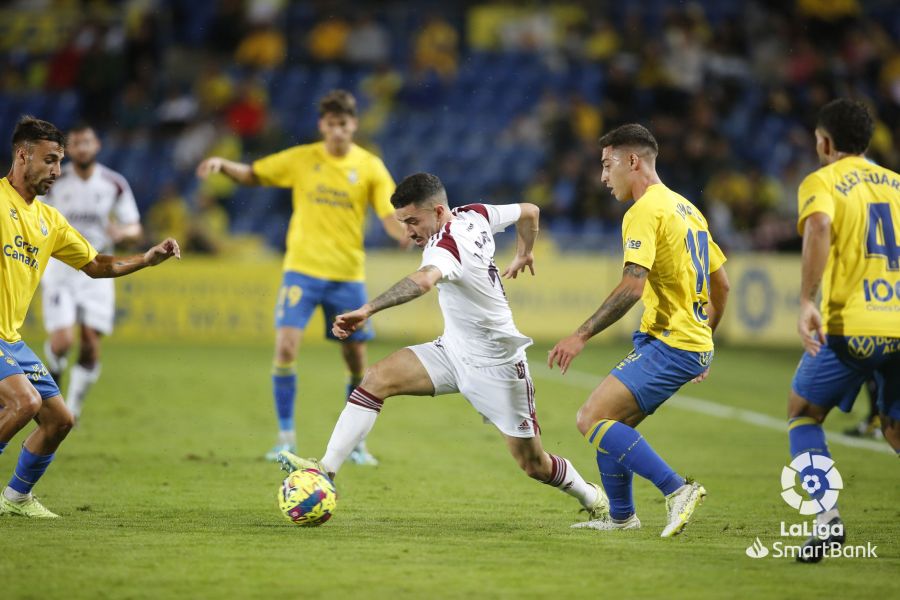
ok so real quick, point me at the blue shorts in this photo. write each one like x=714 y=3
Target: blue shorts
x=301 y=294
x=834 y=375
x=16 y=358
x=654 y=371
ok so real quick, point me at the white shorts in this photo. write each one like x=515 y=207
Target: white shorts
x=502 y=394
x=69 y=297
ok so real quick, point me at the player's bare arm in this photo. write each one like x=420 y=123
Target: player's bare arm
x=240 y=172
x=527 y=228
x=106 y=265
x=816 y=247
x=718 y=297
x=619 y=302
x=409 y=288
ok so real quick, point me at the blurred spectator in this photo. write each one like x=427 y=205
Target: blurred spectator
x=435 y=48
x=169 y=216
x=264 y=47
x=328 y=40
x=208 y=231
x=247 y=114
x=369 y=42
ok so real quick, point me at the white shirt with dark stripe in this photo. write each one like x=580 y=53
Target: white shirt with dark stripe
x=88 y=203
x=478 y=323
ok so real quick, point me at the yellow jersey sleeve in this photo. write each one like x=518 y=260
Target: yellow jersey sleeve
x=280 y=169
x=716 y=256
x=70 y=246
x=639 y=236
x=382 y=188
x=813 y=196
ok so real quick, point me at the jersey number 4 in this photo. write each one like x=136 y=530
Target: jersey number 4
x=698 y=247
x=880 y=238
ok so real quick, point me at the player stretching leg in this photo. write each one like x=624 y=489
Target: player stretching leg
x=87 y=194
x=333 y=182
x=481 y=353
x=30 y=233
x=667 y=243
x=848 y=210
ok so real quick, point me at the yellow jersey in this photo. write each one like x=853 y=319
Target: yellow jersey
x=331 y=195
x=666 y=234
x=861 y=283
x=29 y=235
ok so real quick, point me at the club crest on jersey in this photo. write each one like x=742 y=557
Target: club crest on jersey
x=44 y=229
x=14 y=214
x=352 y=176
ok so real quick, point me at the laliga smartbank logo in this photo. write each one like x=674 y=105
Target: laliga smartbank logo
x=820 y=482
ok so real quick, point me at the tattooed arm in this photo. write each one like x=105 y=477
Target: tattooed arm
x=619 y=302
x=105 y=265
x=816 y=247
x=409 y=288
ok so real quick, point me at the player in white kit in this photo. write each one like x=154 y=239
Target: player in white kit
x=481 y=353
x=98 y=202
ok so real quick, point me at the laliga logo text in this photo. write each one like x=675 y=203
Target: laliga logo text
x=818 y=478
x=821 y=481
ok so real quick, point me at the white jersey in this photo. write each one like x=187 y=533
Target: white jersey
x=478 y=324
x=88 y=203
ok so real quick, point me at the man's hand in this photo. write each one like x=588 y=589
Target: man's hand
x=519 y=264
x=565 y=351
x=701 y=376
x=347 y=323
x=809 y=326
x=162 y=252
x=209 y=166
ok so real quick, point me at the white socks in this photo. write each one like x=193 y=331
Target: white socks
x=352 y=427
x=56 y=363
x=566 y=478
x=80 y=382
x=287 y=438
x=14 y=496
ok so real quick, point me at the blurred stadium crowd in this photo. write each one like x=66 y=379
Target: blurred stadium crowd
x=503 y=100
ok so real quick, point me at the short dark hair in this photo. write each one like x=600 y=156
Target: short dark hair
x=31 y=129
x=80 y=126
x=416 y=189
x=630 y=134
x=337 y=102
x=849 y=124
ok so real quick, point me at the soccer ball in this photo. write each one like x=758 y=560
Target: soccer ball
x=307 y=497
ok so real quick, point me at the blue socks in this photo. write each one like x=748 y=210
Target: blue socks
x=28 y=470
x=628 y=448
x=284 y=388
x=616 y=480
x=806 y=435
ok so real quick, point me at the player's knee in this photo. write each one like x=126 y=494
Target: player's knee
x=376 y=383
x=23 y=405
x=799 y=407
x=60 y=426
x=586 y=418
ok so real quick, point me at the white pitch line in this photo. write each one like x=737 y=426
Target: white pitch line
x=587 y=381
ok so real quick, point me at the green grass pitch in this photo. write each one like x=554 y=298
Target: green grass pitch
x=164 y=493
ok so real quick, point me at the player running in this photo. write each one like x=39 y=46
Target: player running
x=847 y=214
x=481 y=353
x=333 y=182
x=30 y=233
x=98 y=202
x=667 y=243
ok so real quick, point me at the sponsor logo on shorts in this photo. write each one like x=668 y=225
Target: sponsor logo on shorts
x=524 y=426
